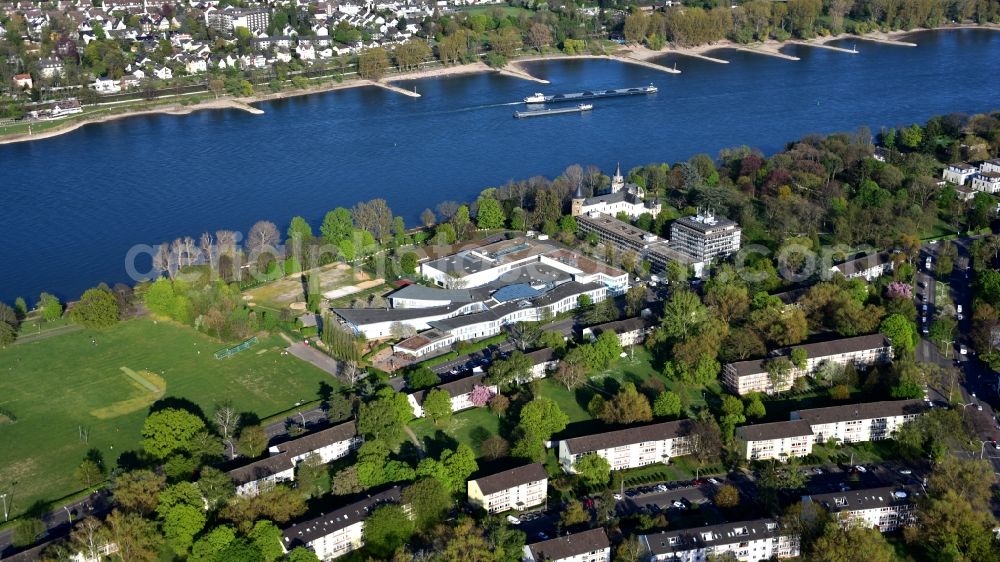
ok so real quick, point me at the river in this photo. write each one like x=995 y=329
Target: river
x=73 y=205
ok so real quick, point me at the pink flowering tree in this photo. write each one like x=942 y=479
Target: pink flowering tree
x=481 y=395
x=899 y=290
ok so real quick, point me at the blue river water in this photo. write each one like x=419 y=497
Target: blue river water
x=73 y=205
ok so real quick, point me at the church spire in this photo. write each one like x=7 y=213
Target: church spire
x=579 y=191
x=617 y=182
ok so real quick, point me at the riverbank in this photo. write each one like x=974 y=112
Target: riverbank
x=632 y=54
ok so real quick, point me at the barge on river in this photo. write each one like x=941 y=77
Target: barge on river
x=542 y=112
x=590 y=94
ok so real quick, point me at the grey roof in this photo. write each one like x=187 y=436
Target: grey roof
x=628 y=436
x=319 y=439
x=420 y=292
x=510 y=478
x=539 y=356
x=856 y=500
x=454 y=388
x=863 y=263
x=774 y=430
x=361 y=316
x=815 y=351
x=705 y=225
x=261 y=469
x=570 y=545
x=864 y=411
x=667 y=542
x=517 y=291
x=333 y=521
x=623 y=326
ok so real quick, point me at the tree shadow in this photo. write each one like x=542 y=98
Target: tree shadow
x=95 y=456
x=129 y=461
x=439 y=443
x=178 y=403
x=249 y=418
x=325 y=391
x=480 y=434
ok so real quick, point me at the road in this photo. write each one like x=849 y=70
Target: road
x=58 y=522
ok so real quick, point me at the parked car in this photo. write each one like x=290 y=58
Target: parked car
x=861 y=469
x=661 y=487
x=618 y=497
x=513 y=520
x=678 y=505
x=906 y=472
x=714 y=482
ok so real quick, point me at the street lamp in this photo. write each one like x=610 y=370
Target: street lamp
x=3 y=497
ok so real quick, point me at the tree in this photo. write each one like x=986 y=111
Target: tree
x=263 y=236
x=411 y=54
x=137 y=538
x=543 y=416
x=627 y=407
x=437 y=405
x=180 y=525
x=667 y=404
x=50 y=306
x=491 y=215
x=299 y=230
x=499 y=404
x=373 y=63
x=266 y=536
x=429 y=502
x=427 y=218
x=846 y=544
x=169 y=430
x=593 y=470
x=89 y=537
x=505 y=41
x=374 y=217
x=575 y=514
x=88 y=473
x=635 y=300
x=337 y=225
x=682 y=313
x=27 y=530
x=210 y=544
x=216 y=487
x=138 y=490
x=252 y=442
x=572 y=370
x=227 y=421
x=408 y=263
x=97 y=308
x=422 y=377
x=539 y=36
x=727 y=497
x=901 y=332
x=755 y=407
x=494 y=447
x=302 y=554
x=386 y=529
x=385 y=415
x=799 y=357
x=506 y=371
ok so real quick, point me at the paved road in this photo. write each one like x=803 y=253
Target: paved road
x=58 y=522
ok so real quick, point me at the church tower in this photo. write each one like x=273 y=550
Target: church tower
x=576 y=206
x=617 y=182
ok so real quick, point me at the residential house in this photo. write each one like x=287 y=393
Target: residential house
x=868 y=267
x=853 y=423
x=335 y=533
x=987 y=182
x=460 y=391
x=777 y=440
x=50 y=68
x=632 y=447
x=23 y=82
x=990 y=166
x=744 y=377
x=746 y=541
x=542 y=361
x=106 y=86
x=630 y=331
x=884 y=509
x=515 y=489
x=163 y=72
x=587 y=546
x=958 y=173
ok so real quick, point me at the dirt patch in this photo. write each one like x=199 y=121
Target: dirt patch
x=151 y=387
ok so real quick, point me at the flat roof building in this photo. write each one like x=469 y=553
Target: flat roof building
x=704 y=237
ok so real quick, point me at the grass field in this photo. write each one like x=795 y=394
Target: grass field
x=65 y=386
x=470 y=426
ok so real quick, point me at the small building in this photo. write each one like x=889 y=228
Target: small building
x=335 y=533
x=958 y=173
x=884 y=509
x=853 y=423
x=425 y=343
x=50 y=68
x=460 y=391
x=107 y=86
x=163 y=72
x=990 y=166
x=542 y=361
x=632 y=447
x=777 y=440
x=630 y=331
x=588 y=546
x=868 y=267
x=746 y=541
x=514 y=489
x=22 y=82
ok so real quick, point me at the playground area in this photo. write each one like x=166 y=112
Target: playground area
x=337 y=281
x=70 y=393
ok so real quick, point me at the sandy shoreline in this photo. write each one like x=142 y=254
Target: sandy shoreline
x=632 y=54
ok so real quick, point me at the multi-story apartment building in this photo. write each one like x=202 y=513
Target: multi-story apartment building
x=514 y=489
x=988 y=182
x=853 y=423
x=337 y=532
x=777 y=440
x=327 y=445
x=542 y=361
x=460 y=391
x=705 y=236
x=632 y=447
x=885 y=509
x=630 y=331
x=746 y=541
x=627 y=238
x=588 y=546
x=229 y=18
x=958 y=173
x=743 y=377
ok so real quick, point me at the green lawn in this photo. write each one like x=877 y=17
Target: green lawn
x=470 y=426
x=65 y=385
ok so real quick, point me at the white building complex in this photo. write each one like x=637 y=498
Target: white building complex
x=514 y=489
x=985 y=178
x=885 y=509
x=621 y=197
x=337 y=532
x=852 y=423
x=327 y=445
x=588 y=546
x=744 y=377
x=632 y=447
x=460 y=391
x=746 y=541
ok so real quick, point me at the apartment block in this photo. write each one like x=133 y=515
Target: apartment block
x=588 y=546
x=884 y=509
x=744 y=377
x=514 y=489
x=630 y=331
x=746 y=541
x=704 y=237
x=853 y=423
x=337 y=532
x=460 y=391
x=777 y=440
x=632 y=447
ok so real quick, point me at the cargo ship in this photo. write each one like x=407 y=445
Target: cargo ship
x=541 y=112
x=590 y=94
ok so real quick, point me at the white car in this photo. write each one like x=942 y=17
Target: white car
x=678 y=505
x=661 y=487
x=513 y=520
x=962 y=349
x=906 y=472
x=713 y=482
x=861 y=469
x=619 y=497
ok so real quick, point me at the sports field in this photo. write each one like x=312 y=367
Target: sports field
x=86 y=389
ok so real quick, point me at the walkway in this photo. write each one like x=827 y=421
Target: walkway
x=766 y=51
x=316 y=357
x=396 y=89
x=825 y=46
